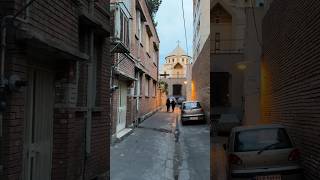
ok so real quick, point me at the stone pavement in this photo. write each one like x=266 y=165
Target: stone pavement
x=148 y=153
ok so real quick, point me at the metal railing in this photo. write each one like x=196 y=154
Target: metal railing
x=221 y=46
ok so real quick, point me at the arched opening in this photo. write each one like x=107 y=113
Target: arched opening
x=178 y=70
x=221 y=29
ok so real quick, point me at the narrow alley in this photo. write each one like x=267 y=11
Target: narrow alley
x=161 y=148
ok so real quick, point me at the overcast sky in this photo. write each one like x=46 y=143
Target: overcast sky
x=170 y=26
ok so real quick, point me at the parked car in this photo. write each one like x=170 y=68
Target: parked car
x=180 y=100
x=262 y=152
x=226 y=122
x=192 y=111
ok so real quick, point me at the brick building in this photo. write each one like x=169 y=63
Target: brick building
x=290 y=75
x=135 y=69
x=57 y=125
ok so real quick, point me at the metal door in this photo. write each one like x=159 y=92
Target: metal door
x=122 y=109
x=38 y=128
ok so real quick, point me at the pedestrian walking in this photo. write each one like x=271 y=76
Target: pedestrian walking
x=168 y=104
x=173 y=104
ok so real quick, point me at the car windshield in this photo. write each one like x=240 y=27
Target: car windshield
x=256 y=140
x=191 y=105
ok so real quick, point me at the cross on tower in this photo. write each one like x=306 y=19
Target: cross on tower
x=178 y=42
x=165 y=74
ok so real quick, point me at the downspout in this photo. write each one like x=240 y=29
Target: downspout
x=3 y=29
x=88 y=124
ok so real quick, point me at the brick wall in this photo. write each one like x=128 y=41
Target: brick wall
x=291 y=75
x=201 y=69
x=58 y=21
x=149 y=68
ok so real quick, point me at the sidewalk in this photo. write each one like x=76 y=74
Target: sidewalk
x=148 y=153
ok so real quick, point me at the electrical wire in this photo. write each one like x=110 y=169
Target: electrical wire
x=185 y=29
x=255 y=24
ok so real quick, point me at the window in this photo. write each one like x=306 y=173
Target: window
x=141 y=76
x=147 y=87
x=155 y=57
x=217 y=41
x=191 y=105
x=147 y=43
x=124 y=28
x=198 y=26
x=257 y=140
x=25 y=14
x=217 y=19
x=138 y=25
x=154 y=89
x=137 y=84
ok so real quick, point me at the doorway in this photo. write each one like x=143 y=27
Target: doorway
x=39 y=125
x=122 y=108
x=176 y=89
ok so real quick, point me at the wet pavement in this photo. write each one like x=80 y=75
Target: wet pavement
x=162 y=149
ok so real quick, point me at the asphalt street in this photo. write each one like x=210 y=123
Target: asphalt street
x=162 y=149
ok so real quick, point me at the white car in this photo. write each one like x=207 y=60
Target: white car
x=192 y=111
x=262 y=152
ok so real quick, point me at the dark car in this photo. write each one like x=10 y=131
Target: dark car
x=192 y=111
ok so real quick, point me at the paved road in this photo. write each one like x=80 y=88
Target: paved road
x=161 y=149
x=195 y=148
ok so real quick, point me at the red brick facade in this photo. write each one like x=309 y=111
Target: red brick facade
x=47 y=38
x=138 y=60
x=290 y=75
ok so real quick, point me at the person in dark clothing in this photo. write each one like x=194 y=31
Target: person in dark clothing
x=173 y=105
x=168 y=104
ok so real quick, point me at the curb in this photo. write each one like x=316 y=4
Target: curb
x=115 y=139
x=149 y=114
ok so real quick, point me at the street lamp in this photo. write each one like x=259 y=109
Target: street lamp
x=185 y=82
x=242 y=65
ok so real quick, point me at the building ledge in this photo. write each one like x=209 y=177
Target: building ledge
x=90 y=20
x=36 y=40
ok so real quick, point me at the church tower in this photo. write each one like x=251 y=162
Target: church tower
x=175 y=71
x=176 y=63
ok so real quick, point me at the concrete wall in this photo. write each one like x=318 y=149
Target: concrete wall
x=201 y=15
x=290 y=75
x=228 y=63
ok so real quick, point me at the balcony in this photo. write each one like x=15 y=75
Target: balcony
x=227 y=46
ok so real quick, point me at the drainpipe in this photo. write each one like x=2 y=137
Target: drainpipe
x=3 y=29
